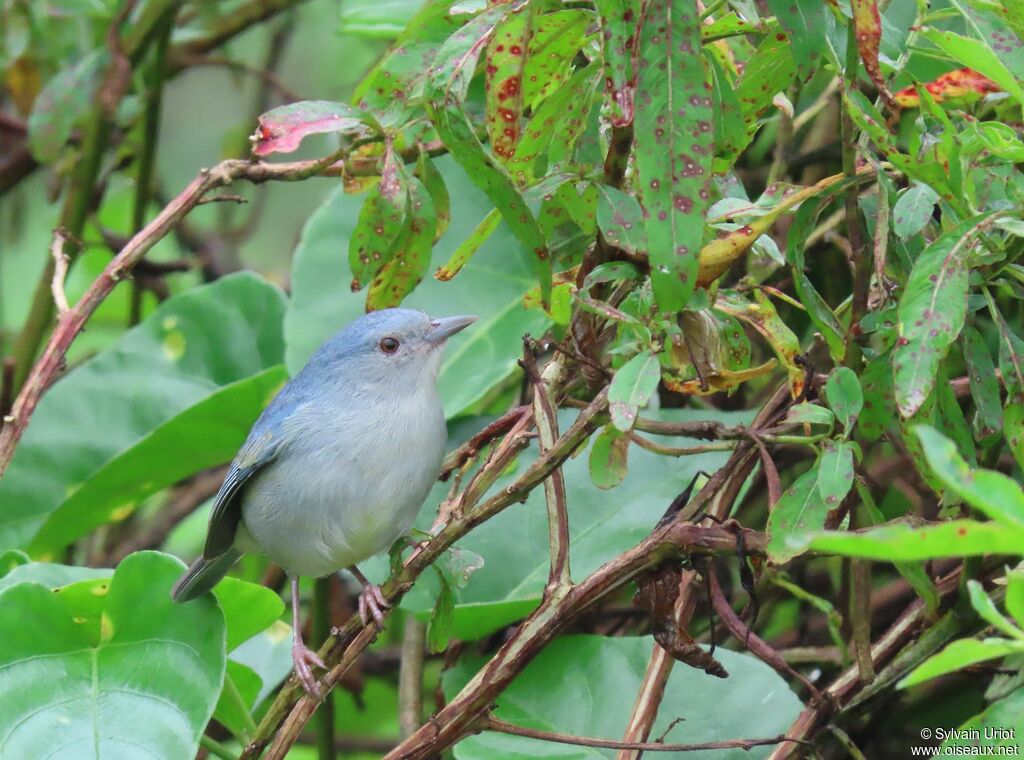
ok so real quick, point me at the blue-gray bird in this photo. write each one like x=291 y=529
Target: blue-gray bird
x=337 y=466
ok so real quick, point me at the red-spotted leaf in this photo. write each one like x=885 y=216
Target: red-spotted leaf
x=835 y=472
x=396 y=82
x=620 y=219
x=959 y=84
x=804 y=22
x=867 y=27
x=797 y=516
x=380 y=223
x=769 y=71
x=978 y=56
x=674 y=145
x=619 y=26
x=505 y=62
x=446 y=90
x=411 y=255
x=282 y=129
x=469 y=246
x=557 y=38
x=931 y=313
x=560 y=118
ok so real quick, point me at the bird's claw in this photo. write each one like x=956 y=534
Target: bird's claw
x=304 y=659
x=371 y=602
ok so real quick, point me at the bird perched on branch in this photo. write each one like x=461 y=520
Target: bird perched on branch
x=337 y=466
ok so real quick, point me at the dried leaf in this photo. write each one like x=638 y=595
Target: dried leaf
x=282 y=129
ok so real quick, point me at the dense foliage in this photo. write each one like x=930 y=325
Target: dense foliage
x=770 y=398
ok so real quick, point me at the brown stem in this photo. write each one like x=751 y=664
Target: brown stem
x=410 y=676
x=501 y=726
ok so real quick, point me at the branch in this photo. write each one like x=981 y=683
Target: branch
x=227 y=27
x=49 y=365
x=410 y=676
x=60 y=272
x=544 y=413
x=293 y=708
x=501 y=726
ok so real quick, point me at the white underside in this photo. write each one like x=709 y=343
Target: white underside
x=348 y=491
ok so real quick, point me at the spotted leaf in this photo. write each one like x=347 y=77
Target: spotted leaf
x=380 y=223
x=619 y=26
x=931 y=314
x=621 y=220
x=411 y=256
x=505 y=62
x=674 y=142
x=867 y=28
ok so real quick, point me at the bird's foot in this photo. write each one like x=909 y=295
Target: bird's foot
x=371 y=604
x=304 y=659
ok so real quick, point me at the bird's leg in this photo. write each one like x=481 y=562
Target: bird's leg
x=303 y=657
x=371 y=600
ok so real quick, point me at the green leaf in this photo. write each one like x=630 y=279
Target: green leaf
x=835 y=472
x=506 y=59
x=62 y=104
x=879 y=402
x=674 y=146
x=984 y=384
x=1015 y=596
x=597 y=700
x=1011 y=364
x=195 y=345
x=991 y=492
x=844 y=396
x=620 y=220
x=49 y=575
x=491 y=285
x=556 y=40
x=427 y=173
x=141 y=678
x=411 y=256
x=809 y=414
x=443 y=617
x=248 y=609
x=796 y=517
x=986 y=608
x=375 y=19
x=469 y=246
x=931 y=314
x=380 y=225
x=202 y=436
x=1001 y=720
x=978 y=56
x=804 y=22
x=558 y=121
x=1001 y=25
x=913 y=210
x=609 y=458
x=396 y=82
x=956 y=538
x=620 y=21
x=769 y=71
x=631 y=388
x=446 y=90
x=958 y=655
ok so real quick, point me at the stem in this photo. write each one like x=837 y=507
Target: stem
x=501 y=726
x=861 y=259
x=410 y=676
x=215 y=748
x=232 y=692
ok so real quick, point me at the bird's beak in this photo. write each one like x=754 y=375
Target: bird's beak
x=442 y=329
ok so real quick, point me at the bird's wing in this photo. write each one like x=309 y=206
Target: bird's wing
x=264 y=444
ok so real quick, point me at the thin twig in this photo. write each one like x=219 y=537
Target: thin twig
x=60 y=272
x=559 y=576
x=504 y=727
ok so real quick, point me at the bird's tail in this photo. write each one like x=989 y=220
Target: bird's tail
x=202 y=575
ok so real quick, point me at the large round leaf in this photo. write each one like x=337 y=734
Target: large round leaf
x=585 y=685
x=490 y=286
x=141 y=683
x=189 y=349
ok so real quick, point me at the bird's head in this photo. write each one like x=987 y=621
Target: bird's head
x=397 y=346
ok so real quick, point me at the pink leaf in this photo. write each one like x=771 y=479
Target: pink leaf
x=282 y=129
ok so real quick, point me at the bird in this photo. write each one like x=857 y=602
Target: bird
x=337 y=466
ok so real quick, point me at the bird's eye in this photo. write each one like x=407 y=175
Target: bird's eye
x=388 y=345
